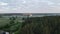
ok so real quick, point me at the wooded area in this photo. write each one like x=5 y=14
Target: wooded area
x=42 y=25
x=33 y=25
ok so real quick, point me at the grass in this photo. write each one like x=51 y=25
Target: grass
x=5 y=20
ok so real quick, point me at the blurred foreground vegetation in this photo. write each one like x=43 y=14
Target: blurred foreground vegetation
x=33 y=25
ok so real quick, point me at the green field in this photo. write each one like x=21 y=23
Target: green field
x=5 y=20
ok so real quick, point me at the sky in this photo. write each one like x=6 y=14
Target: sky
x=29 y=6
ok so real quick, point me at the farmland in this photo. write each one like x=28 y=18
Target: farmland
x=35 y=24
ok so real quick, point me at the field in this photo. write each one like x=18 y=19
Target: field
x=31 y=25
x=5 y=20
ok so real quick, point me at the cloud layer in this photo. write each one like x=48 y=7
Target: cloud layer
x=29 y=6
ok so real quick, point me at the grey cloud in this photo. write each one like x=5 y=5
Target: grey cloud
x=35 y=6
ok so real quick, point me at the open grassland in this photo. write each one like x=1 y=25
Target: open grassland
x=5 y=20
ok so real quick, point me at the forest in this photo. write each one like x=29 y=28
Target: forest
x=33 y=25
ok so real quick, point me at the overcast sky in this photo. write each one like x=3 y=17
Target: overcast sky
x=29 y=6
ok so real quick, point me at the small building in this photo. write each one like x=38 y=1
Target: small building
x=3 y=32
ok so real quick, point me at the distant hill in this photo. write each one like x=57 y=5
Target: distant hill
x=48 y=14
